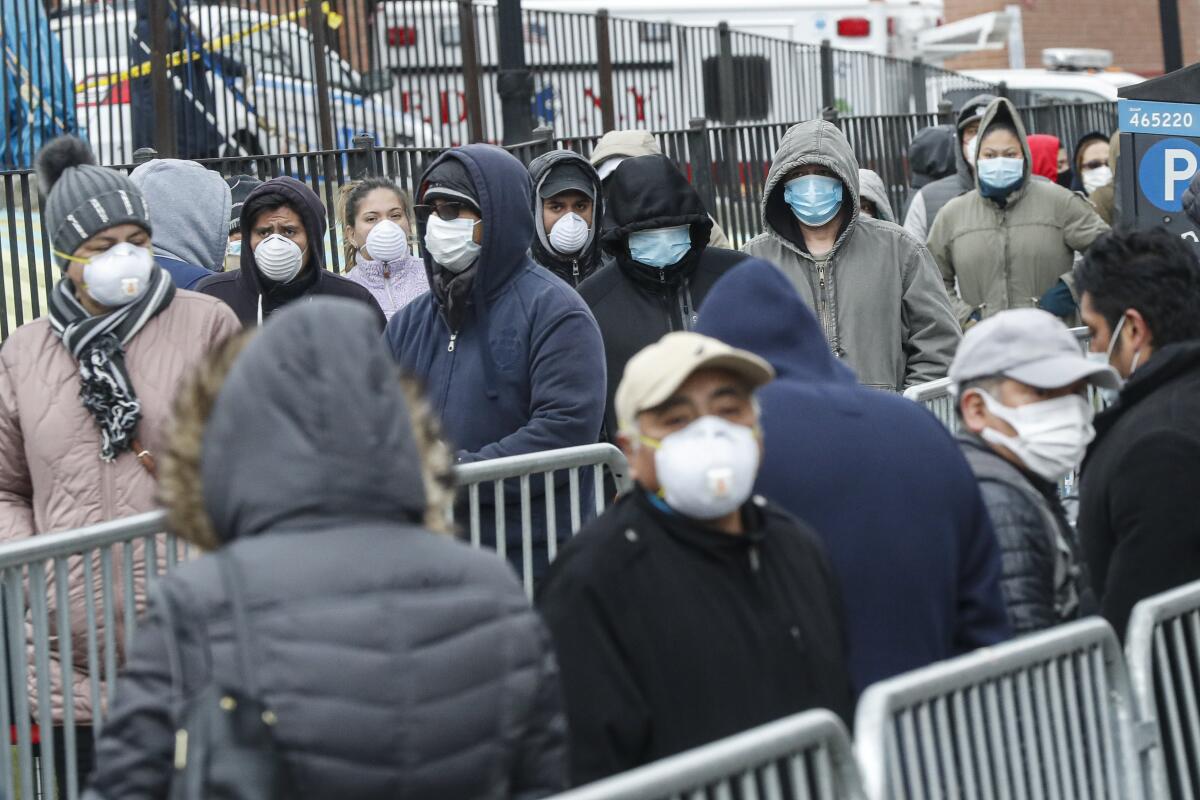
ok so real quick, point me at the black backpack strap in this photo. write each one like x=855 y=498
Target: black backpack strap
x=243 y=641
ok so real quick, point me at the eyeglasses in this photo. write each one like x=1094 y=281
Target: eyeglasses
x=447 y=211
x=1095 y=164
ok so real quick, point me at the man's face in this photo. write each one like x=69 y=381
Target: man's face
x=969 y=132
x=707 y=392
x=1013 y=394
x=562 y=204
x=464 y=212
x=1101 y=333
x=284 y=221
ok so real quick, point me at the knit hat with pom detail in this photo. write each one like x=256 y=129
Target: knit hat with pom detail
x=81 y=199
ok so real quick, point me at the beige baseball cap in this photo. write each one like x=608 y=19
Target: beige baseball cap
x=653 y=375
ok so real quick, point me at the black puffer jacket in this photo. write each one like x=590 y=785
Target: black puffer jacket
x=399 y=662
x=636 y=304
x=1043 y=578
x=572 y=270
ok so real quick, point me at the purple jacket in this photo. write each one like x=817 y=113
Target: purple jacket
x=392 y=288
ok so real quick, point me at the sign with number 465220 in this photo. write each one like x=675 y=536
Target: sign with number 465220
x=1143 y=116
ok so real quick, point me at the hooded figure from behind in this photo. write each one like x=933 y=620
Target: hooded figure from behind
x=510 y=356
x=560 y=176
x=878 y=478
x=283 y=228
x=636 y=302
x=1011 y=242
x=933 y=155
x=874 y=288
x=190 y=205
x=397 y=660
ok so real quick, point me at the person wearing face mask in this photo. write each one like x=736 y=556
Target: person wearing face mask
x=283 y=258
x=880 y=482
x=1043 y=151
x=240 y=187
x=1139 y=512
x=85 y=396
x=1011 y=242
x=191 y=213
x=662 y=266
x=568 y=205
x=873 y=286
x=873 y=199
x=691 y=609
x=510 y=356
x=930 y=200
x=1090 y=162
x=1020 y=382
x=1103 y=197
x=378 y=219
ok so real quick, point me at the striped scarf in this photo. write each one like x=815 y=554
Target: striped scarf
x=98 y=344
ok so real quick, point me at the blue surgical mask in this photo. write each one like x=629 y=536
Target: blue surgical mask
x=814 y=199
x=660 y=247
x=998 y=176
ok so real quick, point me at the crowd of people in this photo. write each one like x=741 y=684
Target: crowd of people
x=797 y=530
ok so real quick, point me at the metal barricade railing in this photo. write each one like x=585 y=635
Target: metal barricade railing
x=938 y=398
x=1048 y=715
x=1162 y=647
x=112 y=567
x=513 y=480
x=803 y=756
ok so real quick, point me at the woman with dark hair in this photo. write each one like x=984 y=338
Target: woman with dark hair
x=394 y=661
x=283 y=259
x=1012 y=241
x=377 y=216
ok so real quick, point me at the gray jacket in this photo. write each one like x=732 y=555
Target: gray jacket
x=871 y=187
x=933 y=197
x=877 y=294
x=399 y=662
x=189 y=208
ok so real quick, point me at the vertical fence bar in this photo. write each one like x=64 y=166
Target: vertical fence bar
x=160 y=47
x=828 y=87
x=604 y=64
x=470 y=69
x=725 y=78
x=316 y=26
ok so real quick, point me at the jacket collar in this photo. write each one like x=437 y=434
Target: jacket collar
x=697 y=535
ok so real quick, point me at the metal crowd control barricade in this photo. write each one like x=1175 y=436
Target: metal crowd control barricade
x=937 y=397
x=1162 y=647
x=807 y=756
x=512 y=479
x=1049 y=716
x=42 y=633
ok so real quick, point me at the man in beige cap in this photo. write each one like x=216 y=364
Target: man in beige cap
x=690 y=611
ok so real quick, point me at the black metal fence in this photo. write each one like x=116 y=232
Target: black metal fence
x=286 y=76
x=727 y=164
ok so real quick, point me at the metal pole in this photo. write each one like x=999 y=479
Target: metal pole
x=160 y=81
x=364 y=161
x=514 y=83
x=702 y=160
x=608 y=115
x=1172 y=35
x=725 y=78
x=828 y=90
x=919 y=93
x=945 y=112
x=470 y=66
x=316 y=25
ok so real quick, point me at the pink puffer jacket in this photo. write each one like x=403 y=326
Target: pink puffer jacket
x=51 y=475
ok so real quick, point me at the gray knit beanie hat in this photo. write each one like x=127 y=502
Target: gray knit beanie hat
x=81 y=199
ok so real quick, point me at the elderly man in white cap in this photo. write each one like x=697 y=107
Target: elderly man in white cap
x=1021 y=379
x=690 y=611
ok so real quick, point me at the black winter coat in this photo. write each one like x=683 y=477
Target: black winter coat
x=635 y=304
x=1043 y=579
x=399 y=662
x=671 y=635
x=243 y=289
x=1139 y=513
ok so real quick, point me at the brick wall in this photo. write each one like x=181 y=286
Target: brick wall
x=1129 y=28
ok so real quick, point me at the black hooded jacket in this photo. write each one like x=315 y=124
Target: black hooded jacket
x=398 y=661
x=576 y=269
x=636 y=304
x=242 y=289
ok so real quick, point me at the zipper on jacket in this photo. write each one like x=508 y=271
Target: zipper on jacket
x=754 y=562
x=575 y=272
x=453 y=339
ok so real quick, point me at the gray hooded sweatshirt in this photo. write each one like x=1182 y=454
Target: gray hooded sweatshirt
x=877 y=293
x=871 y=188
x=189 y=207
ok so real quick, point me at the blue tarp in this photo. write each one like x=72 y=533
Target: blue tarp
x=38 y=95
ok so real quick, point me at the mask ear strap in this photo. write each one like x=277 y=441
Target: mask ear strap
x=76 y=259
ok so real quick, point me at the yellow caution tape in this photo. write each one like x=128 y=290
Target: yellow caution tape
x=333 y=19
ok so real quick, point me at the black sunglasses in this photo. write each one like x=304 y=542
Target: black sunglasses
x=1095 y=164
x=447 y=210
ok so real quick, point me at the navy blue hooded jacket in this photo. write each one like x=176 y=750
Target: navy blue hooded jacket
x=527 y=369
x=879 y=479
